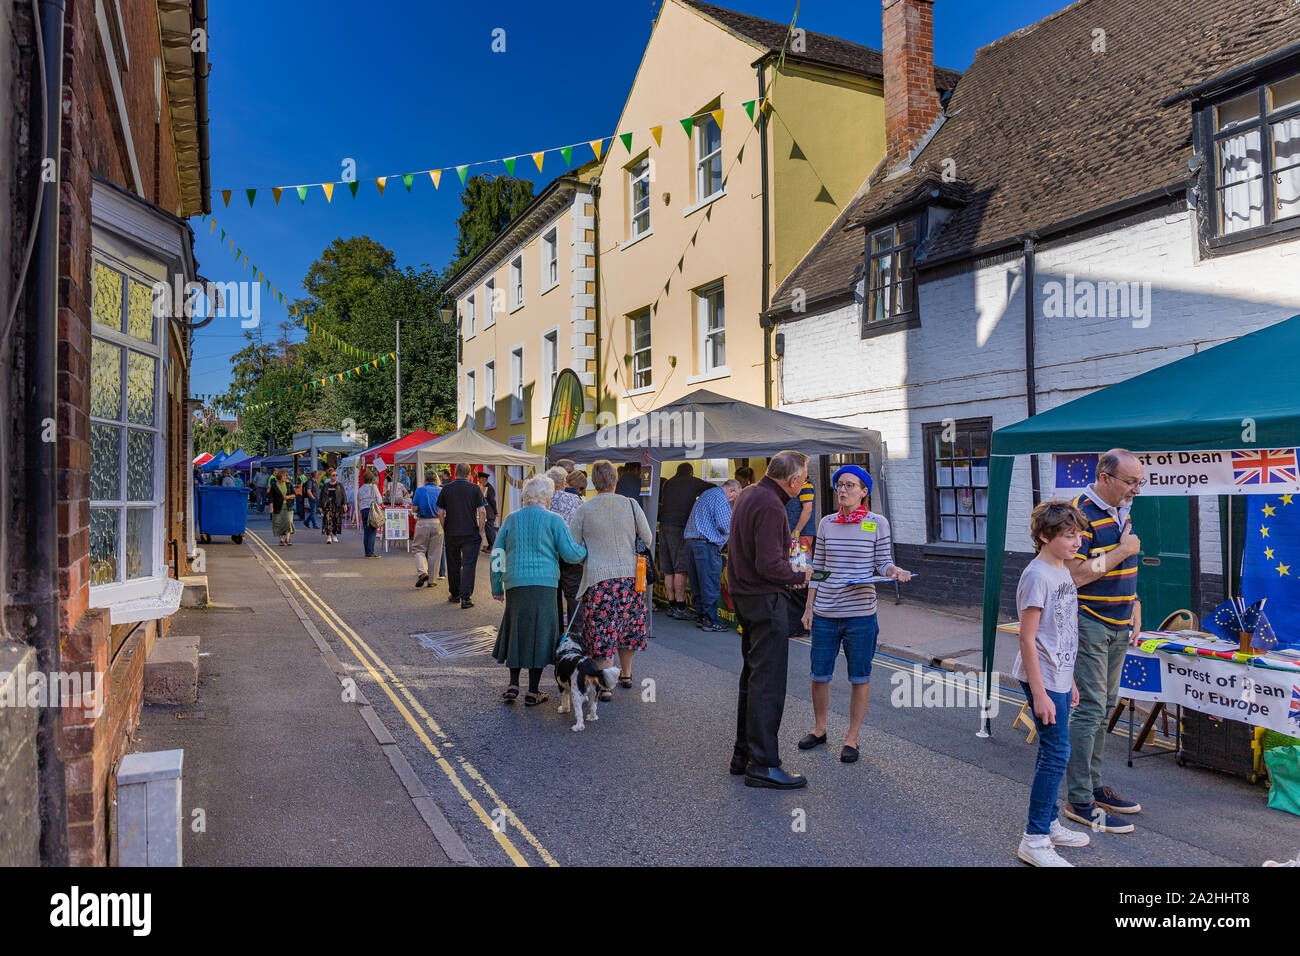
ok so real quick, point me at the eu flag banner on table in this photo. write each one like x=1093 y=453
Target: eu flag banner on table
x=1225 y=622
x=1270 y=564
x=1076 y=471
x=1140 y=676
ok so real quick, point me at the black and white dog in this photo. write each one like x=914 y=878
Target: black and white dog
x=581 y=680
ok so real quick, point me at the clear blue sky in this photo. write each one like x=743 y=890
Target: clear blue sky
x=297 y=86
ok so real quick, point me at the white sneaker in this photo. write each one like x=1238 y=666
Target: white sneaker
x=1037 y=850
x=1061 y=836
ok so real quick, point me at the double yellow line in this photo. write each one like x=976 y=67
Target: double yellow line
x=389 y=683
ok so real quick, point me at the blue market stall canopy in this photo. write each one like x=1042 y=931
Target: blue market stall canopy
x=215 y=464
x=1237 y=395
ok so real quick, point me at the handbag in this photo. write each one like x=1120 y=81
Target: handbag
x=643 y=553
x=376 y=512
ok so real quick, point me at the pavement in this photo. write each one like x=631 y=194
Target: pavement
x=290 y=773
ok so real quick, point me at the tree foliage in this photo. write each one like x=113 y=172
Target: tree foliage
x=491 y=203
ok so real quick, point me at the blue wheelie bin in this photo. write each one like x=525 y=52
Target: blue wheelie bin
x=222 y=510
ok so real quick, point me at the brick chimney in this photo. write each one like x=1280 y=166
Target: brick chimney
x=911 y=101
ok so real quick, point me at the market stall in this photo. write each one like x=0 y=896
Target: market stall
x=1225 y=421
x=468 y=446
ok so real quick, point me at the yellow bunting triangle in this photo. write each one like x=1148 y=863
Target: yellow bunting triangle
x=537 y=158
x=275 y=194
x=436 y=176
x=381 y=181
x=329 y=190
x=595 y=145
x=717 y=117
x=225 y=197
x=212 y=225
x=657 y=132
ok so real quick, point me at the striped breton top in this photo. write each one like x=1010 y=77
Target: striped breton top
x=1110 y=598
x=849 y=551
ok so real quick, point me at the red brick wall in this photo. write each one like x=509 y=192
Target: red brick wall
x=92 y=145
x=911 y=102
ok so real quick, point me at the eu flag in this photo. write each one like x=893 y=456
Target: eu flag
x=1140 y=677
x=1076 y=471
x=1270 y=566
x=1225 y=622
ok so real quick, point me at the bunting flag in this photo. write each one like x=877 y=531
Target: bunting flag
x=328 y=189
x=718 y=116
x=510 y=165
x=749 y=108
x=537 y=158
x=252 y=194
x=567 y=153
x=225 y=197
x=302 y=194
x=265 y=396
x=381 y=181
x=408 y=178
x=595 y=145
x=436 y=176
x=627 y=141
x=657 y=132
x=275 y=194
x=460 y=170
x=353 y=187
x=688 y=124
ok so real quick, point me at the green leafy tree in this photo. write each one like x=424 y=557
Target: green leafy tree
x=491 y=203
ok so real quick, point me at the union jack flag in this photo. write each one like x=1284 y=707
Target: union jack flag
x=1295 y=704
x=1264 y=467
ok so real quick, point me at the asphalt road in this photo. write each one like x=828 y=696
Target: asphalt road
x=648 y=782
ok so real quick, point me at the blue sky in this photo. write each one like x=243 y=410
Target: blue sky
x=298 y=86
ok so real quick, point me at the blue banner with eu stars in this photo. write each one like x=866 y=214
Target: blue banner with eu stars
x=1075 y=471
x=1270 y=564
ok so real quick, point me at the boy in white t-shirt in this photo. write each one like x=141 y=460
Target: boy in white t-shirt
x=1047 y=603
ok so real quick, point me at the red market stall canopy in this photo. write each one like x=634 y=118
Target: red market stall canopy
x=203 y=459
x=387 y=452
x=1236 y=395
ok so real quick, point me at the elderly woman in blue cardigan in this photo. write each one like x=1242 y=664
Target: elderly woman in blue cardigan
x=525 y=574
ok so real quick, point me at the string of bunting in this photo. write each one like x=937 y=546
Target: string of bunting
x=315 y=383
x=597 y=146
x=329 y=337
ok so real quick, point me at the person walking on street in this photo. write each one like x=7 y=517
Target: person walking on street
x=852 y=544
x=311 y=498
x=260 y=483
x=332 y=500
x=525 y=571
x=1110 y=617
x=614 y=611
x=282 y=507
x=759 y=572
x=427 y=538
x=463 y=512
x=397 y=494
x=565 y=504
x=1047 y=605
x=367 y=498
x=676 y=499
x=705 y=533
x=490 y=515
x=801 y=510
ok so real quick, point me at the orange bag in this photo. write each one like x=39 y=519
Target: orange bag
x=640 y=572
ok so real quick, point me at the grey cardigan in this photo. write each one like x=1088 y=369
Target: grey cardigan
x=608 y=526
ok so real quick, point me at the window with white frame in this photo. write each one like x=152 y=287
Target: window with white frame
x=1257 y=157
x=640 y=336
x=550 y=365
x=471 y=400
x=517 y=384
x=516 y=282
x=639 y=192
x=550 y=259
x=126 y=437
x=489 y=303
x=708 y=158
x=469 y=317
x=490 y=395
x=712 y=328
x=891 y=282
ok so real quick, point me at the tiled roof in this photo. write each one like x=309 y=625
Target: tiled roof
x=820 y=47
x=1041 y=128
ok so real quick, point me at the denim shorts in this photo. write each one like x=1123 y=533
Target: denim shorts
x=858 y=637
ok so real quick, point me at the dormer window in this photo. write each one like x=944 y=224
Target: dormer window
x=891 y=279
x=1256 y=160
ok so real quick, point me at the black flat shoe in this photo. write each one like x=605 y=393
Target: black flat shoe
x=453 y=598
x=738 y=765
x=420 y=581
x=773 y=777
x=849 y=754
x=466 y=604
x=810 y=741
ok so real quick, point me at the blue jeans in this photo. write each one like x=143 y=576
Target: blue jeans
x=370 y=532
x=310 y=520
x=704 y=571
x=858 y=637
x=1049 y=768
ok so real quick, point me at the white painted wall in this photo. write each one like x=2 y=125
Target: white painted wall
x=967 y=358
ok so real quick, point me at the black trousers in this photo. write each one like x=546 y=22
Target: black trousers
x=567 y=596
x=490 y=531
x=462 y=561
x=765 y=645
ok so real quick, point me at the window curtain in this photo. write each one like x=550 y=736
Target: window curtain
x=1241 y=173
x=1286 y=163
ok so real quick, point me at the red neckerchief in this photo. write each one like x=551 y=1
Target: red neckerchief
x=852 y=517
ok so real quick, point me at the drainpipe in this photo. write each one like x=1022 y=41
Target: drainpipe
x=1031 y=382
x=40 y=619
x=595 y=244
x=763 y=321
x=200 y=20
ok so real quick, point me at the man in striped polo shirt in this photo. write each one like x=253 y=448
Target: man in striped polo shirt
x=1105 y=572
x=852 y=544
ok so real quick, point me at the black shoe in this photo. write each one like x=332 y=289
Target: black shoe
x=849 y=754
x=773 y=777
x=453 y=598
x=810 y=741
x=420 y=581
x=738 y=765
x=466 y=604
x=710 y=626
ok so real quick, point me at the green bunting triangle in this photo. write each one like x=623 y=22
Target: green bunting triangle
x=407 y=180
x=302 y=194
x=749 y=108
x=252 y=193
x=510 y=165
x=627 y=141
x=688 y=124
x=460 y=170
x=353 y=187
x=223 y=237
x=567 y=153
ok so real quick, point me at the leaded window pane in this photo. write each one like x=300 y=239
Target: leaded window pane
x=103 y=545
x=105 y=380
x=139 y=311
x=139 y=543
x=108 y=296
x=139 y=389
x=139 y=465
x=105 y=462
